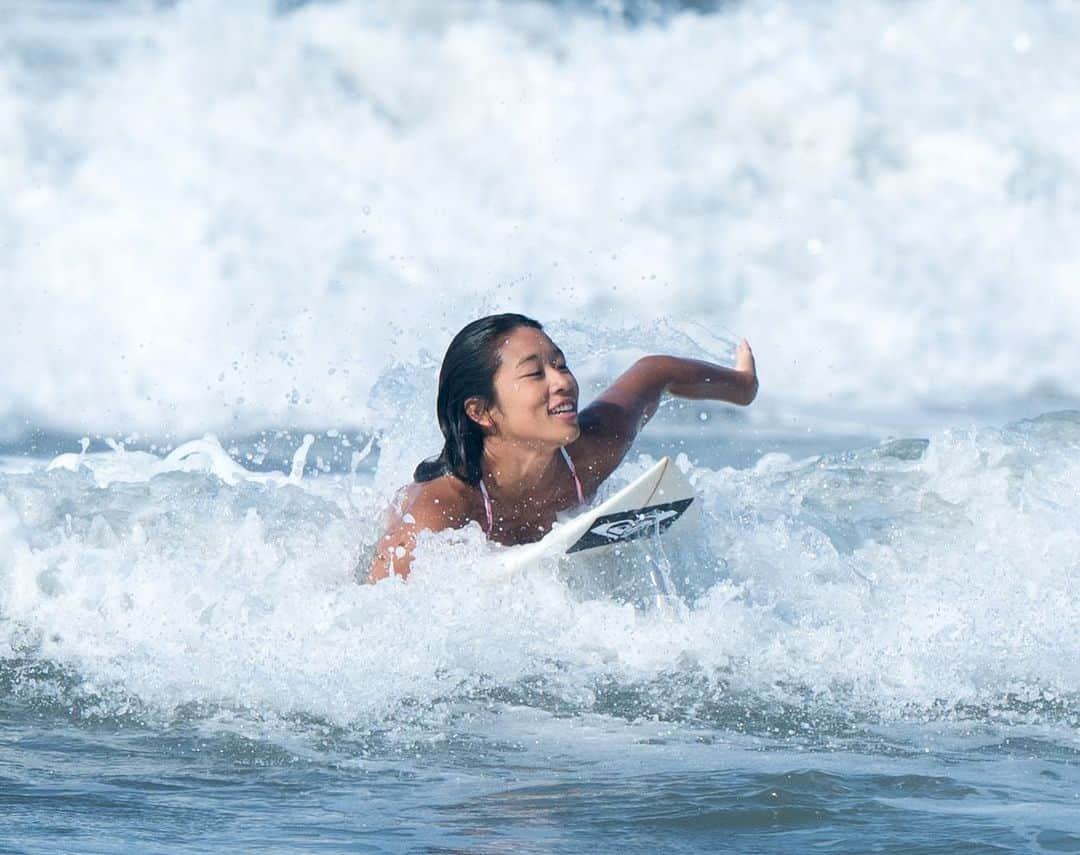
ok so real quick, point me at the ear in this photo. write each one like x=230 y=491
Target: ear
x=477 y=410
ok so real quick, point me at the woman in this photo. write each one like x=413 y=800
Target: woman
x=517 y=451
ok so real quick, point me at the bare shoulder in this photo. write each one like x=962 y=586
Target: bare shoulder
x=611 y=422
x=600 y=447
x=445 y=502
x=442 y=503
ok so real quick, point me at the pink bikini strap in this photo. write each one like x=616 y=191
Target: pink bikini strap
x=573 y=471
x=487 y=505
x=487 y=498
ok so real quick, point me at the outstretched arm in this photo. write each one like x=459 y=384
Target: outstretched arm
x=691 y=378
x=610 y=423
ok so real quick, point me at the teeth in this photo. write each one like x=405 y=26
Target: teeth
x=563 y=408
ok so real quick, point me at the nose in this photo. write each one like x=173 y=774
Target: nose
x=561 y=381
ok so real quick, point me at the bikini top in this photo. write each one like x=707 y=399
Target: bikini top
x=487 y=498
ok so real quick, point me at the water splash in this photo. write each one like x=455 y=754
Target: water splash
x=927 y=576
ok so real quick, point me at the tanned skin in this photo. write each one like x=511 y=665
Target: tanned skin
x=522 y=467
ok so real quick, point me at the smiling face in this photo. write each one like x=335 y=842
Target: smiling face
x=536 y=395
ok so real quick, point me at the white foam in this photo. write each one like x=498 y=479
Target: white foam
x=197 y=455
x=882 y=579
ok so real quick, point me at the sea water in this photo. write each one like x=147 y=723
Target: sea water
x=876 y=649
x=236 y=239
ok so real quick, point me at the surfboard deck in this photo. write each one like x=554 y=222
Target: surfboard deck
x=654 y=503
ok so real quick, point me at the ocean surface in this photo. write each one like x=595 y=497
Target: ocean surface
x=235 y=240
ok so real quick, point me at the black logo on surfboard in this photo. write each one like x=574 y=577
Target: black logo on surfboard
x=624 y=526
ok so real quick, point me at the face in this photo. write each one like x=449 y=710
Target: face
x=536 y=395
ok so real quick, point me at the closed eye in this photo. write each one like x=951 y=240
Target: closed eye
x=563 y=367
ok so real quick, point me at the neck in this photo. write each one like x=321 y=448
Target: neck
x=513 y=469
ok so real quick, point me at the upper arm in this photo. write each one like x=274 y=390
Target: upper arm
x=422 y=508
x=611 y=422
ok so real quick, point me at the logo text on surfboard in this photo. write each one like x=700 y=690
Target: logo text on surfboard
x=624 y=526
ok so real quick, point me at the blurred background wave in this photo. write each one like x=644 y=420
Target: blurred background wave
x=230 y=217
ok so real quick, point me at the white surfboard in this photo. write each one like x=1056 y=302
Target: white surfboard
x=653 y=504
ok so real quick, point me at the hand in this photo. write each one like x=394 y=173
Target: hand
x=744 y=358
x=744 y=365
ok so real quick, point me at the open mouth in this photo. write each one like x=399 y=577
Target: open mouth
x=566 y=411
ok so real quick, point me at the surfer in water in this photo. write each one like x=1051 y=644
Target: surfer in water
x=517 y=450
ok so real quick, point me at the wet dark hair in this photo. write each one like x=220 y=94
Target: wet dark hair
x=468 y=371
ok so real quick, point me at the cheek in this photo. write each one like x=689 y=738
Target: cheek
x=515 y=401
